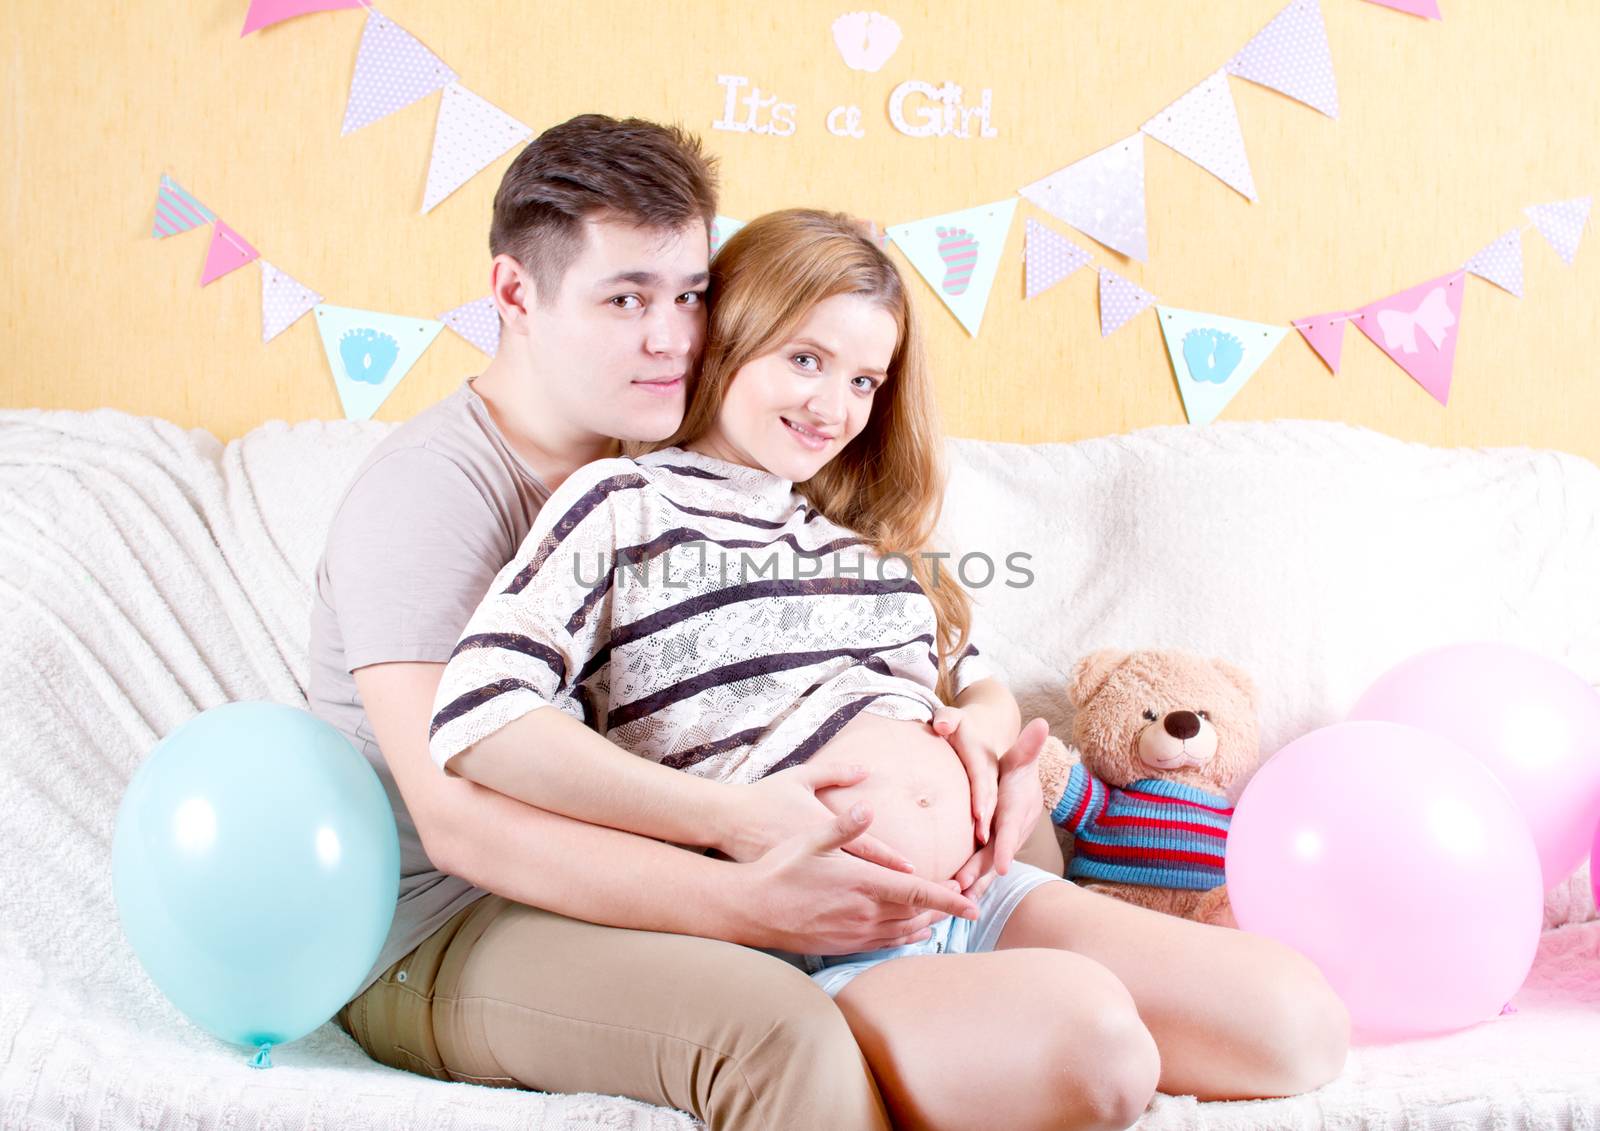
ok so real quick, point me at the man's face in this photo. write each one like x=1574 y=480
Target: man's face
x=626 y=329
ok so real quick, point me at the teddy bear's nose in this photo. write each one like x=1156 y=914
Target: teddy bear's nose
x=1182 y=724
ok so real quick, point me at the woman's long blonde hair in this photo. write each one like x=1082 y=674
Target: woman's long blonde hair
x=887 y=485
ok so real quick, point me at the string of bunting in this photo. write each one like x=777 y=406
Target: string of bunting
x=957 y=253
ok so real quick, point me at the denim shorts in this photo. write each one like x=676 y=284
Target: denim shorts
x=951 y=935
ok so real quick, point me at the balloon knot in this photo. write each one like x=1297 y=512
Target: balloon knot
x=263 y=1057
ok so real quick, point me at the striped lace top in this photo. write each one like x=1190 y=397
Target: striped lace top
x=698 y=613
x=1153 y=831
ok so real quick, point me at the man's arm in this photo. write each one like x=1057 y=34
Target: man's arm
x=606 y=875
x=527 y=854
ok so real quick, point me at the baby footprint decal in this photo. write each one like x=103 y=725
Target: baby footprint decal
x=959 y=250
x=368 y=355
x=1211 y=355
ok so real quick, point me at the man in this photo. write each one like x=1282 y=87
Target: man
x=529 y=949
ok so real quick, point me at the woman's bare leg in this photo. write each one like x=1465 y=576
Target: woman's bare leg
x=1019 y=1039
x=1235 y=1015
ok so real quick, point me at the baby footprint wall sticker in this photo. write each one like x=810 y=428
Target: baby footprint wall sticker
x=1214 y=356
x=958 y=254
x=369 y=352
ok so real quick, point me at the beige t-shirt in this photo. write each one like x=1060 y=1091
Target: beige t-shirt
x=429 y=518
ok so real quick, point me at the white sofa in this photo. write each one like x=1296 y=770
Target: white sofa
x=147 y=573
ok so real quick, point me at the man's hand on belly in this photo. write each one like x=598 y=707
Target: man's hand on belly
x=782 y=804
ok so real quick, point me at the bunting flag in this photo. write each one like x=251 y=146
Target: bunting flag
x=283 y=300
x=721 y=228
x=1291 y=56
x=1050 y=257
x=369 y=352
x=1102 y=195
x=1426 y=8
x=393 y=70
x=958 y=254
x=228 y=252
x=177 y=211
x=1204 y=126
x=1214 y=356
x=1120 y=300
x=265 y=13
x=468 y=134
x=1418 y=328
x=1561 y=224
x=478 y=322
x=1501 y=262
x=1325 y=334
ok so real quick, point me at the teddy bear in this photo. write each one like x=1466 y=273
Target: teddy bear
x=1159 y=738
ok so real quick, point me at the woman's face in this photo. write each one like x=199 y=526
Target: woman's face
x=792 y=410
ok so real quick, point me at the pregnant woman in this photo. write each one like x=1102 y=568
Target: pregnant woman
x=751 y=607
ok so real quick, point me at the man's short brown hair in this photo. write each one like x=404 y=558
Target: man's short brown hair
x=652 y=175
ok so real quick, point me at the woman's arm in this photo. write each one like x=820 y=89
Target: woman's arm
x=595 y=780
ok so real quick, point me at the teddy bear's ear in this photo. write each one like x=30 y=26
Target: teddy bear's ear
x=1242 y=680
x=1089 y=673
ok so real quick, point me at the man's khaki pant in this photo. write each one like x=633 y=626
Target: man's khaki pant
x=514 y=996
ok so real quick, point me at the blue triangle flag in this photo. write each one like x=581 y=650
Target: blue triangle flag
x=369 y=352
x=1214 y=356
x=721 y=228
x=958 y=254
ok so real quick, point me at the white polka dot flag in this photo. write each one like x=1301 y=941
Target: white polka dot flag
x=1120 y=300
x=1501 y=262
x=283 y=300
x=478 y=322
x=1204 y=126
x=1291 y=56
x=1562 y=224
x=1051 y=257
x=393 y=70
x=469 y=134
x=1102 y=195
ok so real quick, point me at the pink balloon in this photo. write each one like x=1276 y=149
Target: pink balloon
x=1533 y=722
x=1398 y=864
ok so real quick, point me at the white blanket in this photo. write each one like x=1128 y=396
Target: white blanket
x=148 y=573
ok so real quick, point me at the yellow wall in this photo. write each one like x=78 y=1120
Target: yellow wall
x=1446 y=131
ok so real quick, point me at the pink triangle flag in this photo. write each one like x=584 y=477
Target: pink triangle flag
x=1204 y=126
x=1418 y=328
x=1120 y=300
x=1427 y=8
x=265 y=13
x=1102 y=195
x=283 y=300
x=228 y=252
x=1051 y=257
x=1291 y=56
x=1325 y=333
x=1501 y=262
x=478 y=322
x=469 y=134
x=1562 y=224
x=393 y=70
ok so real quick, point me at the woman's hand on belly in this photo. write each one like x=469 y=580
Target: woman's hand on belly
x=917 y=787
x=773 y=809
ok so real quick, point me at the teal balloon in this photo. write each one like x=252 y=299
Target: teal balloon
x=255 y=866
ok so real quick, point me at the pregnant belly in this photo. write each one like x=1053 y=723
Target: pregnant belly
x=916 y=786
